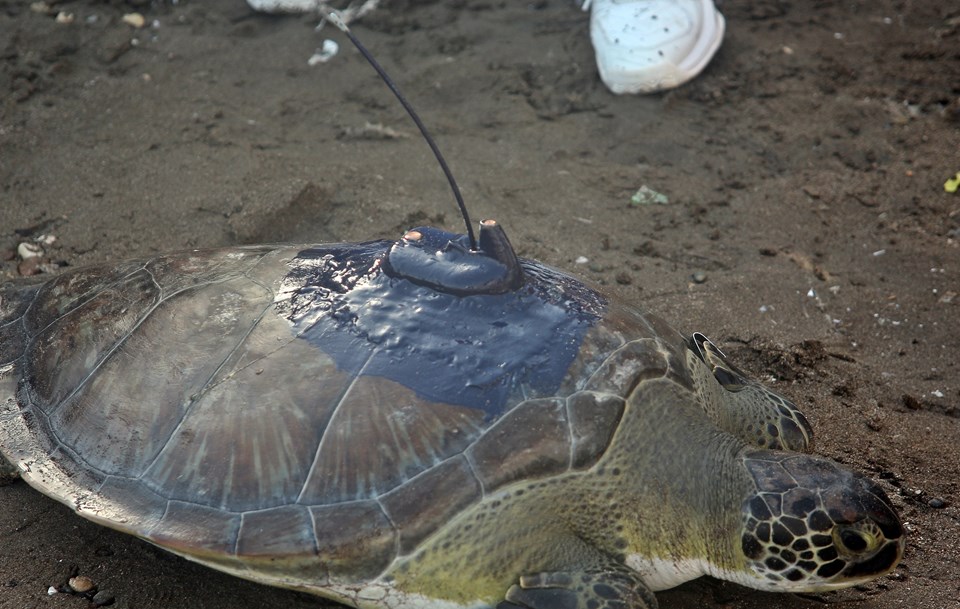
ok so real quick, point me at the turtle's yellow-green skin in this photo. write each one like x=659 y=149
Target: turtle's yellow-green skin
x=331 y=419
x=678 y=507
x=674 y=508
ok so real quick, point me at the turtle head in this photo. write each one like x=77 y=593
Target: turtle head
x=812 y=525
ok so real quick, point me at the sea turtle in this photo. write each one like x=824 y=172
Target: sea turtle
x=419 y=424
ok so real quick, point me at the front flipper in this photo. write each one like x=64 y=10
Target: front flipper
x=744 y=407
x=602 y=589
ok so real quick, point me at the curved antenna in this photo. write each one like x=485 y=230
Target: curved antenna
x=334 y=18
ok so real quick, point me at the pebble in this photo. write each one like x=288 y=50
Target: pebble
x=325 y=54
x=135 y=19
x=937 y=503
x=623 y=278
x=648 y=196
x=81 y=584
x=29 y=250
x=102 y=599
x=29 y=267
x=699 y=277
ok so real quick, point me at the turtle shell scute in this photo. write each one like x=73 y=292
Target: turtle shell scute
x=425 y=503
x=530 y=440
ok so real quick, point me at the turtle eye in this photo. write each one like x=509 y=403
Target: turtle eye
x=729 y=377
x=729 y=380
x=854 y=541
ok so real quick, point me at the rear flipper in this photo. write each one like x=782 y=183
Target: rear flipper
x=617 y=588
x=742 y=406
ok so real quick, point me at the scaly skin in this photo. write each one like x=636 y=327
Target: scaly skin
x=682 y=505
x=693 y=502
x=742 y=406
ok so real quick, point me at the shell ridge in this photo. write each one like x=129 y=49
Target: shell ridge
x=210 y=384
x=313 y=530
x=424 y=504
x=337 y=542
x=326 y=428
x=166 y=510
x=572 y=440
x=396 y=538
x=421 y=474
x=235 y=546
x=613 y=375
x=87 y=297
x=113 y=349
x=204 y=388
x=468 y=456
x=32 y=340
x=60 y=445
x=153 y=278
x=548 y=418
x=22 y=317
x=248 y=274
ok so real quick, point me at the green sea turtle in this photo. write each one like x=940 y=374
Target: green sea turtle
x=419 y=425
x=431 y=423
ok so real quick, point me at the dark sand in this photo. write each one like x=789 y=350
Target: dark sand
x=804 y=169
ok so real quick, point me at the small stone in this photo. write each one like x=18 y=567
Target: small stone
x=81 y=584
x=52 y=590
x=29 y=267
x=623 y=278
x=648 y=196
x=29 y=250
x=64 y=18
x=135 y=19
x=699 y=277
x=937 y=503
x=102 y=599
x=326 y=53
